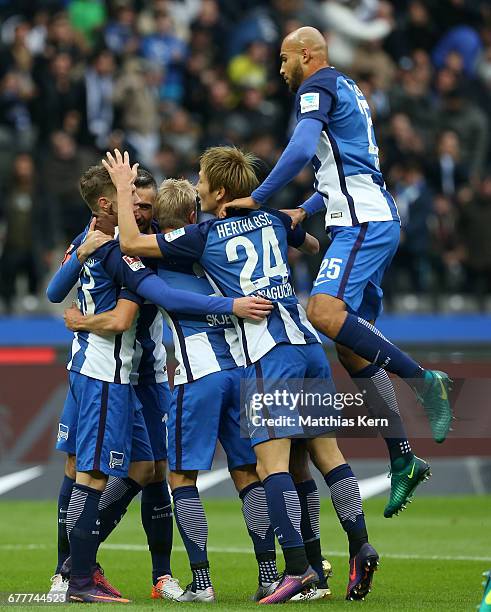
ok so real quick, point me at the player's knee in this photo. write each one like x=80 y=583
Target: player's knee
x=142 y=472
x=93 y=479
x=182 y=479
x=160 y=471
x=349 y=360
x=324 y=312
x=244 y=476
x=325 y=454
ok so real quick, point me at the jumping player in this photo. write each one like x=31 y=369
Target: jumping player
x=335 y=132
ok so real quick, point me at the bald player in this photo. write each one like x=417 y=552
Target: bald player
x=335 y=132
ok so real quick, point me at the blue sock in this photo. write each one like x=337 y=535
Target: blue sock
x=285 y=515
x=63 y=502
x=193 y=527
x=367 y=342
x=255 y=511
x=156 y=514
x=83 y=530
x=382 y=403
x=346 y=499
x=114 y=502
x=310 y=503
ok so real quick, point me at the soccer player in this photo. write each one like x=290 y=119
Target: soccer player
x=243 y=255
x=149 y=378
x=335 y=132
x=101 y=404
x=205 y=408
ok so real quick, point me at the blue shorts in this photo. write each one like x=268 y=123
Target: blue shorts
x=202 y=412
x=97 y=425
x=355 y=263
x=155 y=399
x=293 y=369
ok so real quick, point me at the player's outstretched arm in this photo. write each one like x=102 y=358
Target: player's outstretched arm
x=123 y=176
x=67 y=275
x=112 y=322
x=295 y=157
x=155 y=290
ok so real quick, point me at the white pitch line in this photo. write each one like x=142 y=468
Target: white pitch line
x=248 y=551
x=12 y=481
x=207 y=480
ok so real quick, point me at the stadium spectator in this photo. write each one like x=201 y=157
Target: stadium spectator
x=476 y=219
x=415 y=204
x=135 y=98
x=169 y=52
x=206 y=73
x=26 y=250
x=61 y=168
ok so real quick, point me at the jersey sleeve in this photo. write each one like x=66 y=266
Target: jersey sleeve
x=186 y=243
x=67 y=274
x=126 y=294
x=296 y=237
x=125 y=270
x=315 y=102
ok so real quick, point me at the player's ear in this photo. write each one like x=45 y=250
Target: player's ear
x=104 y=204
x=192 y=216
x=220 y=194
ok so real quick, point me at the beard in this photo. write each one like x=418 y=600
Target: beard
x=296 y=77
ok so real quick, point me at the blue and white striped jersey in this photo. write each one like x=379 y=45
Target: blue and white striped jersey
x=101 y=278
x=202 y=344
x=247 y=255
x=149 y=359
x=150 y=356
x=346 y=164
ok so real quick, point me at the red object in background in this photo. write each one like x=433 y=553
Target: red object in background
x=33 y=388
x=27 y=355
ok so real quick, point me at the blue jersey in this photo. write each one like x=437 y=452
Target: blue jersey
x=106 y=358
x=149 y=358
x=203 y=344
x=346 y=163
x=247 y=255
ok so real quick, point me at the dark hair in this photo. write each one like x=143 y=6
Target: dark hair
x=145 y=179
x=95 y=183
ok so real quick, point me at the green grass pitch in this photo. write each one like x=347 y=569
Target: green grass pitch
x=432 y=556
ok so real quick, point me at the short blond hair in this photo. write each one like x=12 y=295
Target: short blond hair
x=230 y=168
x=176 y=200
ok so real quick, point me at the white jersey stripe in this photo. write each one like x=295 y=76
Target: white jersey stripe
x=200 y=352
x=295 y=335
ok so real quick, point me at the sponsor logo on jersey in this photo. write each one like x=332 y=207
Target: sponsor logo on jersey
x=336 y=215
x=309 y=102
x=62 y=432
x=170 y=236
x=67 y=254
x=135 y=263
x=115 y=459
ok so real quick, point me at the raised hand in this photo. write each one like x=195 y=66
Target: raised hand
x=122 y=174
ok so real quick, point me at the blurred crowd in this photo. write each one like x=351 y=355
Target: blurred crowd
x=165 y=79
